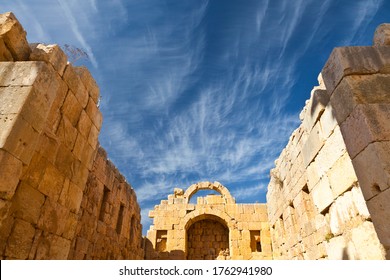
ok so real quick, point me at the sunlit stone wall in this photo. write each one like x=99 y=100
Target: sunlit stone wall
x=60 y=197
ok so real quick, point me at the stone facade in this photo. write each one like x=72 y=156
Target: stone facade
x=326 y=197
x=60 y=198
x=214 y=228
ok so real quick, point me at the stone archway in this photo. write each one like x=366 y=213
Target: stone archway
x=207 y=238
x=216 y=186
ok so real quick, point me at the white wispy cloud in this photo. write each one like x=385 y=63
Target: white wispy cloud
x=363 y=13
x=77 y=31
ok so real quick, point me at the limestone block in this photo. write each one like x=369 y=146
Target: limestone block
x=52 y=182
x=10 y=172
x=359 y=89
x=342 y=175
x=52 y=217
x=93 y=136
x=5 y=54
x=32 y=89
x=367 y=124
x=313 y=144
x=19 y=138
x=14 y=36
x=70 y=226
x=380 y=208
x=367 y=243
x=84 y=124
x=27 y=203
x=51 y=54
x=83 y=151
x=20 y=241
x=382 y=35
x=67 y=133
x=315 y=107
x=71 y=196
x=333 y=149
x=341 y=213
x=372 y=167
x=328 y=121
x=76 y=86
x=5 y=206
x=359 y=202
x=312 y=175
x=347 y=61
x=72 y=108
x=94 y=114
x=53 y=248
x=55 y=115
x=336 y=248
x=322 y=194
x=47 y=146
x=89 y=83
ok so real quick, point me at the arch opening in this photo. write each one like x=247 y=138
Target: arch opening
x=207 y=238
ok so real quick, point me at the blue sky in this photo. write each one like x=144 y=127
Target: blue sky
x=200 y=90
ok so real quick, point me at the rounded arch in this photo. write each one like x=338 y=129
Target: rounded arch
x=208 y=213
x=216 y=186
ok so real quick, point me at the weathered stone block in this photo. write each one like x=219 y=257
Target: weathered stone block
x=367 y=124
x=372 y=167
x=319 y=99
x=312 y=175
x=27 y=203
x=5 y=54
x=84 y=124
x=382 y=35
x=359 y=202
x=347 y=61
x=76 y=86
x=10 y=172
x=71 y=226
x=51 y=54
x=52 y=247
x=336 y=248
x=47 y=146
x=67 y=133
x=52 y=182
x=72 y=108
x=359 y=89
x=20 y=241
x=328 y=121
x=93 y=136
x=341 y=213
x=342 y=175
x=14 y=36
x=332 y=150
x=379 y=208
x=19 y=138
x=94 y=114
x=89 y=82
x=313 y=144
x=52 y=217
x=322 y=194
x=71 y=196
x=367 y=243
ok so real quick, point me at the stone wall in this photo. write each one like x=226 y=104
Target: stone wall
x=55 y=181
x=214 y=228
x=327 y=195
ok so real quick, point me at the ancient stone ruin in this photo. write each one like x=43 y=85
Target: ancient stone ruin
x=214 y=228
x=61 y=198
